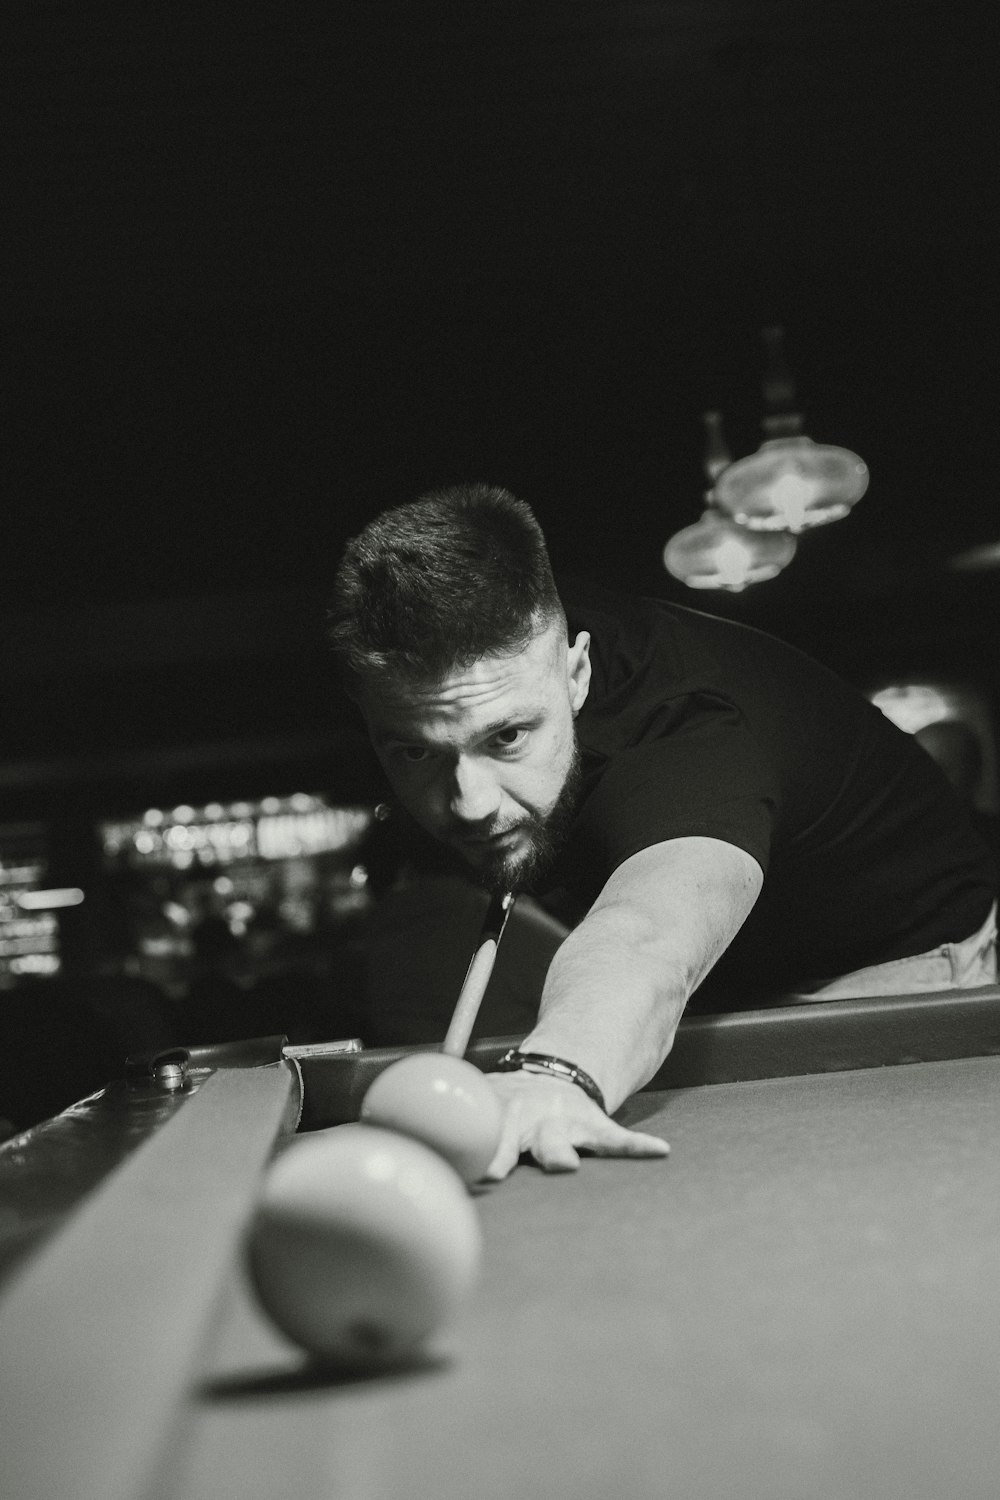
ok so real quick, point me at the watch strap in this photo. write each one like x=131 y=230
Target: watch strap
x=515 y=1061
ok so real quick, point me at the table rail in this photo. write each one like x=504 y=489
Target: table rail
x=783 y=1041
x=100 y=1331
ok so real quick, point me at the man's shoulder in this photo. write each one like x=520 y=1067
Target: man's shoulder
x=642 y=644
x=595 y=606
x=613 y=614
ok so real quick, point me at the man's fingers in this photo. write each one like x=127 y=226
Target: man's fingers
x=553 y=1148
x=507 y=1157
x=629 y=1143
x=553 y=1121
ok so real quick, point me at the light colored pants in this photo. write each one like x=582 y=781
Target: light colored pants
x=953 y=966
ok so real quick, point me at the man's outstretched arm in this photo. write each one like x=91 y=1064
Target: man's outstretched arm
x=615 y=993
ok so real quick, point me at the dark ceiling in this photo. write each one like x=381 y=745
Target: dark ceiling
x=270 y=268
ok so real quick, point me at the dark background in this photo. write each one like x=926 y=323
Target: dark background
x=271 y=268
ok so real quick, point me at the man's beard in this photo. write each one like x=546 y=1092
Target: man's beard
x=501 y=872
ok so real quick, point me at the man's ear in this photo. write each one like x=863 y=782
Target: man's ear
x=578 y=663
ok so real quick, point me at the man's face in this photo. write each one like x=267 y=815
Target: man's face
x=486 y=759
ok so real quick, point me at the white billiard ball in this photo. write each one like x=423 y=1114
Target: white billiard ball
x=443 y=1101
x=364 y=1244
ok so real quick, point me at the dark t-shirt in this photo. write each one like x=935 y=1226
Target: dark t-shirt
x=698 y=726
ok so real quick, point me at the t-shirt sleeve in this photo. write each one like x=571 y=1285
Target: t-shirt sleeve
x=703 y=775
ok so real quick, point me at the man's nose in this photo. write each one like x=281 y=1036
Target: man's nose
x=475 y=795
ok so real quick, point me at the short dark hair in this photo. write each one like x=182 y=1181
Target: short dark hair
x=435 y=584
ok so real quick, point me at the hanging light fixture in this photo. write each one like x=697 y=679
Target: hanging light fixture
x=790 y=483
x=717 y=455
x=716 y=553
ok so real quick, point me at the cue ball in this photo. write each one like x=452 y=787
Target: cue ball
x=443 y=1101
x=364 y=1244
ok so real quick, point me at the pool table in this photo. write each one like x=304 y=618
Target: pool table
x=802 y=1300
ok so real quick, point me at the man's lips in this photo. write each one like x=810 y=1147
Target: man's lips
x=490 y=840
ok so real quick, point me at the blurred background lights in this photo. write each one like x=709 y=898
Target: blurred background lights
x=50 y=900
x=274 y=828
x=36 y=963
x=912 y=706
x=239 y=915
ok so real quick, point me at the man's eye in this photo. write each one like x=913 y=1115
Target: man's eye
x=510 y=739
x=411 y=755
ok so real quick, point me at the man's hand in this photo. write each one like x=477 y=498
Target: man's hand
x=552 y=1119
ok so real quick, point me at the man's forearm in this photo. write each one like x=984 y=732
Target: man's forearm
x=611 y=1004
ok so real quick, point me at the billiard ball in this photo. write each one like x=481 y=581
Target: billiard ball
x=443 y=1101
x=364 y=1244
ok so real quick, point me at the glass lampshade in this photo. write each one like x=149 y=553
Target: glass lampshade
x=791 y=484
x=715 y=553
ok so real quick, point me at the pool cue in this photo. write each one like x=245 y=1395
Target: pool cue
x=477 y=976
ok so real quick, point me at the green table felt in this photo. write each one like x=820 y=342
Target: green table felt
x=801 y=1303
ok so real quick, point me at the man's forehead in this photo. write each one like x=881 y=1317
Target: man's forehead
x=489 y=685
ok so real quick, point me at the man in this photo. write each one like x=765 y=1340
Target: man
x=709 y=800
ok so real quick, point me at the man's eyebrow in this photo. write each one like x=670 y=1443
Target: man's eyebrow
x=507 y=722
x=413 y=736
x=399 y=735
x=388 y=735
